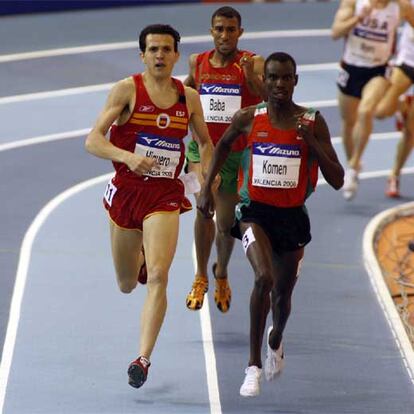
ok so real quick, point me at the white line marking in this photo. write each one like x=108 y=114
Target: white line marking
x=44 y=138
x=20 y=283
x=380 y=136
x=374 y=174
x=317 y=66
x=381 y=290
x=106 y=86
x=55 y=94
x=134 y=44
x=21 y=276
x=209 y=354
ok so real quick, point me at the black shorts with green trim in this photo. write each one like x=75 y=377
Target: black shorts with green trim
x=288 y=229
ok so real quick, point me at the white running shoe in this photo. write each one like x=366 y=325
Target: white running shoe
x=251 y=383
x=350 y=186
x=274 y=360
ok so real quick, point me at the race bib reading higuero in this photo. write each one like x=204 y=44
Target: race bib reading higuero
x=276 y=165
x=166 y=151
x=220 y=101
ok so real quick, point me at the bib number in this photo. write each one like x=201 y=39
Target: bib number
x=109 y=193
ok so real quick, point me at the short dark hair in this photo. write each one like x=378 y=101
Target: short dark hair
x=228 y=12
x=280 y=57
x=158 y=29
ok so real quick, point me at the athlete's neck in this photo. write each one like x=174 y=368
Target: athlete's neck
x=282 y=114
x=158 y=84
x=218 y=60
x=162 y=91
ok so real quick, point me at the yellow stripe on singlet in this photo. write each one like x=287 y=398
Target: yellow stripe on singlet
x=154 y=123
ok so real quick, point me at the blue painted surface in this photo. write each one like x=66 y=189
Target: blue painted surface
x=340 y=354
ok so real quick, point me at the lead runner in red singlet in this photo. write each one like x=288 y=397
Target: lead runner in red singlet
x=227 y=79
x=148 y=115
x=286 y=144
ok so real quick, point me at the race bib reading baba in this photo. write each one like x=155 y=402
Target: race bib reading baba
x=276 y=165
x=166 y=151
x=220 y=101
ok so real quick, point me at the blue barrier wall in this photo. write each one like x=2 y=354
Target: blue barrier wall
x=35 y=6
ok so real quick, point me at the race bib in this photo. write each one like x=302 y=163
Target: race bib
x=342 y=78
x=166 y=151
x=369 y=46
x=220 y=101
x=110 y=191
x=276 y=165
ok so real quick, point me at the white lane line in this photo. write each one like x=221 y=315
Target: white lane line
x=106 y=86
x=134 y=44
x=44 y=138
x=381 y=290
x=209 y=354
x=380 y=136
x=21 y=276
x=373 y=174
x=20 y=283
x=55 y=94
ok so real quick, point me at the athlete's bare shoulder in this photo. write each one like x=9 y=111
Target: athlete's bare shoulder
x=190 y=93
x=193 y=59
x=346 y=4
x=244 y=117
x=124 y=87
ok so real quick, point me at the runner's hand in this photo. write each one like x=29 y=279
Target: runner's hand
x=141 y=165
x=205 y=202
x=247 y=64
x=304 y=130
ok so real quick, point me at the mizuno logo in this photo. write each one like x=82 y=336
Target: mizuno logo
x=219 y=89
x=207 y=88
x=263 y=148
x=149 y=140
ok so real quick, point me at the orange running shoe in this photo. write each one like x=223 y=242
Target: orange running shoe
x=195 y=298
x=222 y=293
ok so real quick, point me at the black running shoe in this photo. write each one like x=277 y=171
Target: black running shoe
x=138 y=372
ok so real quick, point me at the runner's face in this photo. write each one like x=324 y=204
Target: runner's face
x=280 y=81
x=226 y=33
x=159 y=55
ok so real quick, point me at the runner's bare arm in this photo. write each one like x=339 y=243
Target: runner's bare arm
x=190 y=79
x=406 y=11
x=345 y=19
x=199 y=126
x=319 y=140
x=240 y=124
x=253 y=68
x=119 y=101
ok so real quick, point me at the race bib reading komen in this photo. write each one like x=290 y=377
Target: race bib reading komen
x=275 y=165
x=166 y=151
x=220 y=101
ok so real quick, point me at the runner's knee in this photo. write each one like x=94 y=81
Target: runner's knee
x=365 y=113
x=126 y=286
x=263 y=282
x=157 y=278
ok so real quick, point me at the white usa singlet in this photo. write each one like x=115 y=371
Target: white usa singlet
x=370 y=43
